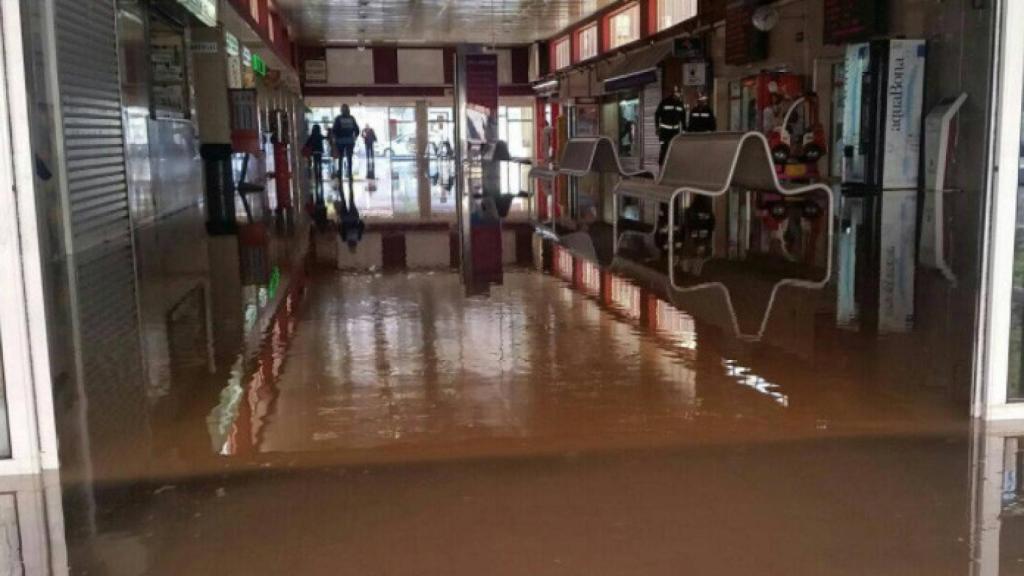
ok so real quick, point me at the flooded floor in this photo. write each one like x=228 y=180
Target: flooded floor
x=389 y=425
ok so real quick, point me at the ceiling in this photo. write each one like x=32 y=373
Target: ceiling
x=434 y=21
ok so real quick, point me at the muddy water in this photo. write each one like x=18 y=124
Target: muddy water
x=389 y=425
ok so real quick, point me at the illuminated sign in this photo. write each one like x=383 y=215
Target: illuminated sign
x=204 y=10
x=258 y=65
x=231 y=45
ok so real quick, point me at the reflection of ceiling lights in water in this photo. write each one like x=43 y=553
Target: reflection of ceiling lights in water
x=746 y=377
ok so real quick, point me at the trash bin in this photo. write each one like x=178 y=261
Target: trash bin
x=220 y=189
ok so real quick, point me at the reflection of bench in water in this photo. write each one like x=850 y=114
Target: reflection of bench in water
x=711 y=165
x=580 y=157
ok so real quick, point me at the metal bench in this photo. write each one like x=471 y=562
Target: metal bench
x=710 y=165
x=581 y=157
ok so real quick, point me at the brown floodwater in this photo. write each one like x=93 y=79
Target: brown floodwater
x=387 y=424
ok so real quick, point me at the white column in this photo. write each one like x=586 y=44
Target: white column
x=23 y=328
x=993 y=339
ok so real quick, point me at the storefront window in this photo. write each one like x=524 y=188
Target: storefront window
x=402 y=131
x=629 y=126
x=625 y=26
x=516 y=127
x=563 y=53
x=588 y=42
x=672 y=12
x=441 y=131
x=1016 y=375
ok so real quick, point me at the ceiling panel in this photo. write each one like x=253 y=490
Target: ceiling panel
x=434 y=21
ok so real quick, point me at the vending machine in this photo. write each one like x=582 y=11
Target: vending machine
x=882 y=128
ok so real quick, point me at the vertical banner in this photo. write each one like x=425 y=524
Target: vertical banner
x=479 y=179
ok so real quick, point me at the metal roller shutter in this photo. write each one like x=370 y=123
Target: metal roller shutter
x=101 y=252
x=649 y=104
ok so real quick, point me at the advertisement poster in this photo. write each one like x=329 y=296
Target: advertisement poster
x=482 y=97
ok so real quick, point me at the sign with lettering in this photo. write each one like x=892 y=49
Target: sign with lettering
x=204 y=10
x=231 y=45
x=853 y=20
x=316 y=71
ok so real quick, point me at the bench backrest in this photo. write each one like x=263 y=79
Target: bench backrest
x=582 y=156
x=715 y=160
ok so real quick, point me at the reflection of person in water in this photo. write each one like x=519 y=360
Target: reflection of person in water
x=350 y=224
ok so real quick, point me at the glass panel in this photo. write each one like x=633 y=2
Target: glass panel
x=441 y=131
x=402 y=131
x=5 y=430
x=563 y=53
x=625 y=26
x=1015 y=388
x=629 y=114
x=672 y=12
x=588 y=42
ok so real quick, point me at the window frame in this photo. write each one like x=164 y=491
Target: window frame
x=635 y=26
x=591 y=28
x=556 y=49
x=661 y=25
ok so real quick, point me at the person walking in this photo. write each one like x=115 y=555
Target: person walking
x=314 y=150
x=670 y=119
x=344 y=133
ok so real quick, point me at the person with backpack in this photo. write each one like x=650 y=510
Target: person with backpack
x=344 y=133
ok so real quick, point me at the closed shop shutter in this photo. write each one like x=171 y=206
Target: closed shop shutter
x=103 y=282
x=649 y=104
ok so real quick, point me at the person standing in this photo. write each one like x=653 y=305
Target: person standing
x=369 y=140
x=670 y=118
x=702 y=117
x=345 y=132
x=314 y=150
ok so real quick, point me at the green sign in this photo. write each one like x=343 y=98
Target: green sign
x=204 y=10
x=258 y=65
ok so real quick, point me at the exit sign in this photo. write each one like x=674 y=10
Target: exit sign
x=258 y=65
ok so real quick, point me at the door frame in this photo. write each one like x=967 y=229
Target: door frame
x=992 y=339
x=24 y=342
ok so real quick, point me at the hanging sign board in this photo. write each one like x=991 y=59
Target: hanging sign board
x=204 y=10
x=231 y=45
x=689 y=49
x=258 y=65
x=482 y=97
x=316 y=71
x=695 y=74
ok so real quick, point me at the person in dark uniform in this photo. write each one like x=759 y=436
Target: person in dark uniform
x=670 y=118
x=702 y=118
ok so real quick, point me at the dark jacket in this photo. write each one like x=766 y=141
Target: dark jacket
x=702 y=119
x=345 y=130
x=315 y=143
x=670 y=117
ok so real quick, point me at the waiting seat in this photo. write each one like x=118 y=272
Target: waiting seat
x=710 y=164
